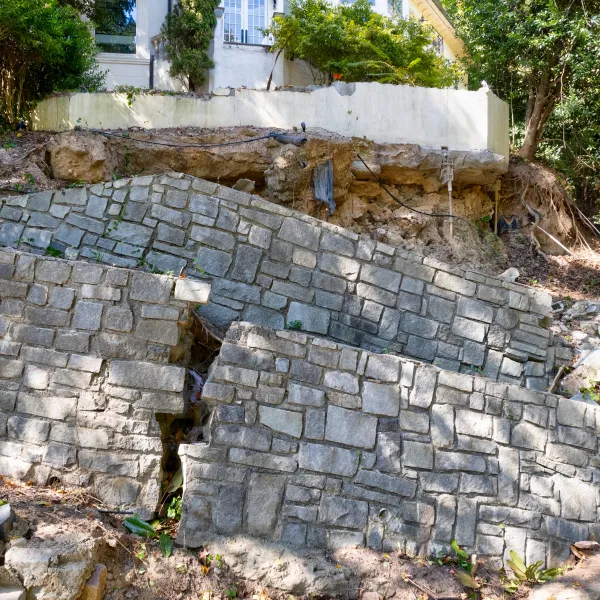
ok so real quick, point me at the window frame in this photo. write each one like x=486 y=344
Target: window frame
x=244 y=33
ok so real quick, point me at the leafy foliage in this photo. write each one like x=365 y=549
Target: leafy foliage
x=543 y=58
x=166 y=544
x=352 y=41
x=532 y=574
x=189 y=30
x=139 y=527
x=174 y=508
x=44 y=48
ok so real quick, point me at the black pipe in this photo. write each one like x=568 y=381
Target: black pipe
x=151 y=86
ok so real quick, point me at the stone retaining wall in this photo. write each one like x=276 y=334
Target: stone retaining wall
x=84 y=353
x=315 y=443
x=271 y=265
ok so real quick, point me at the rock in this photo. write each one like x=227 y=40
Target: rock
x=79 y=157
x=511 y=274
x=53 y=564
x=301 y=572
x=95 y=585
x=244 y=185
x=586 y=371
x=7 y=517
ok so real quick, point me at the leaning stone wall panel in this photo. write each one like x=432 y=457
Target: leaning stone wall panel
x=84 y=367
x=273 y=266
x=319 y=444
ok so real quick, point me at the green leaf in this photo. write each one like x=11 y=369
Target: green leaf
x=166 y=544
x=139 y=527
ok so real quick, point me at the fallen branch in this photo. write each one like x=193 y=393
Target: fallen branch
x=427 y=591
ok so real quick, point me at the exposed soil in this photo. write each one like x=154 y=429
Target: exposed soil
x=137 y=569
x=283 y=174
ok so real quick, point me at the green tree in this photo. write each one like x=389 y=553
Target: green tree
x=189 y=30
x=44 y=48
x=542 y=56
x=360 y=45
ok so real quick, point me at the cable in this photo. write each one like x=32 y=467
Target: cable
x=406 y=205
x=443 y=215
x=248 y=141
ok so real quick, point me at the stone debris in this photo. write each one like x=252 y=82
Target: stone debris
x=95 y=585
x=53 y=565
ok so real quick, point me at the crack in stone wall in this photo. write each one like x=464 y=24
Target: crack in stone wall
x=84 y=368
x=315 y=443
x=271 y=265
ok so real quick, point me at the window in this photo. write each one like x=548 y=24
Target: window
x=243 y=21
x=115 y=25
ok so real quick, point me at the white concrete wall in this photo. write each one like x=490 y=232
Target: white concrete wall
x=459 y=119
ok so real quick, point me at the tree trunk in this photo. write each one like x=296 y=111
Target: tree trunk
x=539 y=108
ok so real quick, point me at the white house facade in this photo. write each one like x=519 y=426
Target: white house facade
x=132 y=49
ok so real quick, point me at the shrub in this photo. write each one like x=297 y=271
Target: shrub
x=44 y=48
x=189 y=31
x=352 y=41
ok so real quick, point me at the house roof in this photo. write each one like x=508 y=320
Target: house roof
x=435 y=13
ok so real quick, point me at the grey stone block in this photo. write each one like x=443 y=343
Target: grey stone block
x=455 y=461
x=339 y=266
x=341 y=381
x=337 y=511
x=395 y=485
x=284 y=421
x=265 y=494
x=312 y=318
x=31 y=431
x=243 y=437
x=384 y=368
x=328 y=459
x=384 y=278
x=151 y=288
x=87 y=315
x=137 y=374
x=344 y=425
x=381 y=399
x=138 y=235
x=246 y=263
x=444 y=483
x=287 y=464
x=416 y=325
x=306 y=396
x=315 y=424
x=454 y=283
x=424 y=388
x=300 y=233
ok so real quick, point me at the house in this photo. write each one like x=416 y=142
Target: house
x=128 y=33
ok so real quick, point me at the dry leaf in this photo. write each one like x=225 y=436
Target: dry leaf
x=466 y=580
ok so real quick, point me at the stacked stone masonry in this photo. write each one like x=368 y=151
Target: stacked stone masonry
x=84 y=353
x=320 y=444
x=271 y=265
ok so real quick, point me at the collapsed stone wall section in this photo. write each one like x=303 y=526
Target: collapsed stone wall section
x=84 y=368
x=320 y=444
x=271 y=265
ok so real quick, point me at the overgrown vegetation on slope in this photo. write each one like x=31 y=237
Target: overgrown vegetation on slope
x=352 y=42
x=44 y=47
x=543 y=58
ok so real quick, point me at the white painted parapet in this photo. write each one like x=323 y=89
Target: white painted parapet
x=459 y=119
